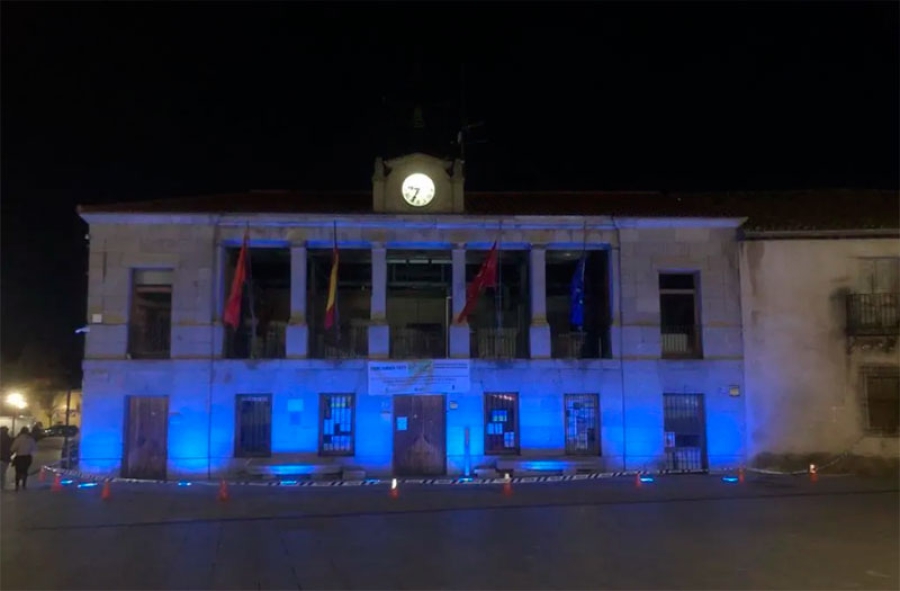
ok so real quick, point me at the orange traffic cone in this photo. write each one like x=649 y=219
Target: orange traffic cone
x=57 y=483
x=395 y=492
x=105 y=493
x=813 y=473
x=507 y=486
x=223 y=491
x=637 y=480
x=741 y=474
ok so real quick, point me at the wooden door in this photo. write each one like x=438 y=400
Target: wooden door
x=146 y=437
x=420 y=435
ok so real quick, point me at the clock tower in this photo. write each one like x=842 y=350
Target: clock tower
x=418 y=183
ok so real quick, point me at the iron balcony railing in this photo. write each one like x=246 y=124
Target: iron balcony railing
x=495 y=343
x=345 y=342
x=577 y=345
x=151 y=338
x=418 y=343
x=272 y=344
x=681 y=342
x=872 y=314
x=269 y=343
x=569 y=345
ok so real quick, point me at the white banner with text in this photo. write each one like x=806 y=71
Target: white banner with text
x=420 y=376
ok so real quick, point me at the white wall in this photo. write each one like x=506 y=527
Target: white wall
x=802 y=386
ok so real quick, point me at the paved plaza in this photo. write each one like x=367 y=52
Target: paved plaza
x=679 y=532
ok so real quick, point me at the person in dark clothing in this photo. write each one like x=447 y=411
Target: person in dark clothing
x=23 y=447
x=5 y=454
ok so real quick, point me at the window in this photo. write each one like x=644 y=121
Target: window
x=684 y=424
x=882 y=402
x=679 y=320
x=253 y=424
x=582 y=418
x=150 y=326
x=501 y=424
x=336 y=430
x=879 y=275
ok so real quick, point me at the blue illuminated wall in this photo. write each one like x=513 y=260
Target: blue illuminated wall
x=541 y=385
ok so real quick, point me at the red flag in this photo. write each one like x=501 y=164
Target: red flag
x=487 y=277
x=331 y=304
x=233 y=308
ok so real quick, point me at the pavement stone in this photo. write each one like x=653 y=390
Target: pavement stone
x=679 y=532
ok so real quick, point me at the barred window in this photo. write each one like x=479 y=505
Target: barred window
x=501 y=424
x=582 y=424
x=882 y=401
x=336 y=424
x=253 y=426
x=150 y=324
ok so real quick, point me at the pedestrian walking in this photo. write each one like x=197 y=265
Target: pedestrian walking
x=23 y=447
x=5 y=454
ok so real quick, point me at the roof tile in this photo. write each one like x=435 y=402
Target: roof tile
x=832 y=209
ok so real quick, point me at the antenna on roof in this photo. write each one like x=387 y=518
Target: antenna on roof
x=462 y=137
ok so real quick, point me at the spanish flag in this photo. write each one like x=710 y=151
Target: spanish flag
x=331 y=303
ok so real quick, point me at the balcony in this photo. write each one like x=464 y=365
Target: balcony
x=569 y=345
x=269 y=342
x=418 y=343
x=681 y=342
x=150 y=339
x=872 y=315
x=495 y=343
x=587 y=344
x=347 y=342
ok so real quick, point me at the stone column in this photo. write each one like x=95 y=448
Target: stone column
x=297 y=345
x=615 y=295
x=379 y=331
x=539 y=331
x=459 y=333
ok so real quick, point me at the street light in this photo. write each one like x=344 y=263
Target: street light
x=18 y=402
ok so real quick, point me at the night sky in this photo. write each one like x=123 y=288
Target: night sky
x=107 y=102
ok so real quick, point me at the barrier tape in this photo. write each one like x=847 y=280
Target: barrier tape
x=75 y=474
x=288 y=482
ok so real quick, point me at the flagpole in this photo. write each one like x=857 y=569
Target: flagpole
x=499 y=299
x=250 y=296
x=337 y=320
x=582 y=268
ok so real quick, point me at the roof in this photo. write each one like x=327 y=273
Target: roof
x=799 y=210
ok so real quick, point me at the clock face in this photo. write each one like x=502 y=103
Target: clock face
x=418 y=189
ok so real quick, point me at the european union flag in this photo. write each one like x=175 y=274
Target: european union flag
x=576 y=308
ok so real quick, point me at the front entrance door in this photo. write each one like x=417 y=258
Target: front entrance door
x=146 y=437
x=684 y=420
x=420 y=435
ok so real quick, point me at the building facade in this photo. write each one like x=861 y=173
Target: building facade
x=827 y=300
x=653 y=378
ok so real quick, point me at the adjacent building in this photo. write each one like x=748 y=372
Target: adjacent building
x=654 y=374
x=820 y=316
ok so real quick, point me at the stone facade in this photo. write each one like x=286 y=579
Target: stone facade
x=202 y=386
